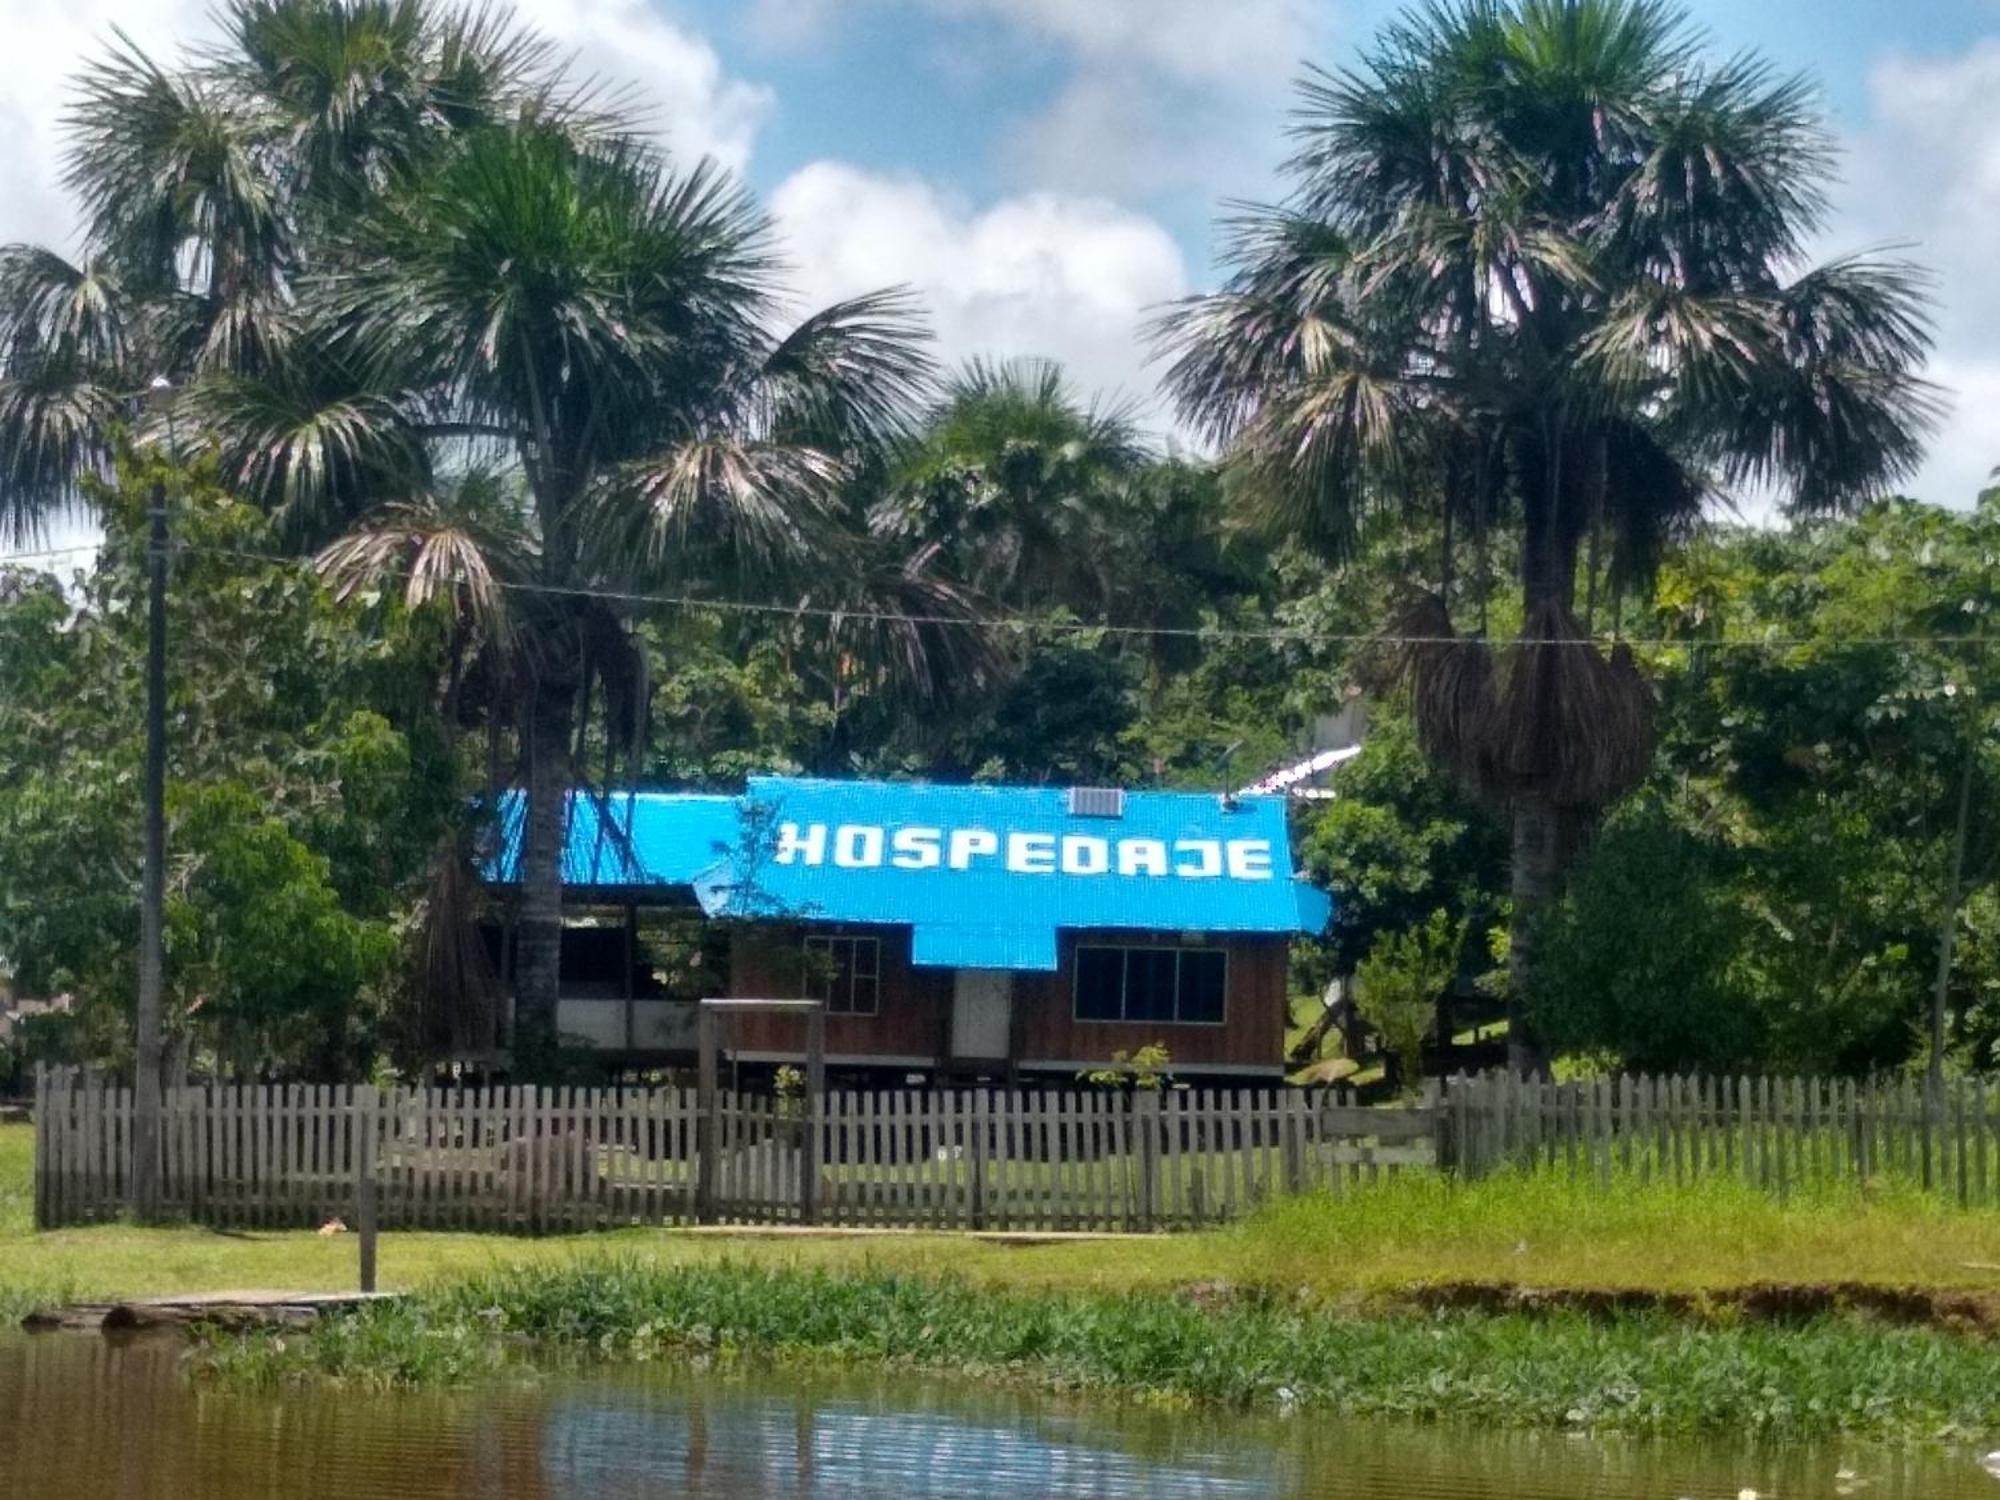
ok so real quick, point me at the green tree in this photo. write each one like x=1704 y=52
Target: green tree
x=369 y=241
x=1776 y=897
x=306 y=787
x=1398 y=984
x=1540 y=270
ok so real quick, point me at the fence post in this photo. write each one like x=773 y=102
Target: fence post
x=1447 y=1122
x=1291 y=1139
x=708 y=1118
x=815 y=1115
x=981 y=1101
x=1146 y=1113
x=365 y=1214
x=41 y=1145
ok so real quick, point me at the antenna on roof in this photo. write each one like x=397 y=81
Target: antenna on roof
x=1222 y=774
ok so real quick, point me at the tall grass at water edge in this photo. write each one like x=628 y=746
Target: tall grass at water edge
x=1642 y=1372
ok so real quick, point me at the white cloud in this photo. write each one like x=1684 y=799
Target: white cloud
x=674 y=74
x=1040 y=274
x=1924 y=174
x=1119 y=131
x=1237 y=46
x=1163 y=95
x=700 y=109
x=47 y=41
x=1156 y=95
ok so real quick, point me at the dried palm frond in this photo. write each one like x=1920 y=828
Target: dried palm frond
x=1452 y=690
x=1548 y=714
x=1569 y=724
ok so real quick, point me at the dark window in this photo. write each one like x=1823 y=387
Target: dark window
x=845 y=972
x=1185 y=986
x=1204 y=977
x=1100 y=984
x=1149 y=983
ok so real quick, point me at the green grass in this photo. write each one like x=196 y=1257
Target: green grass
x=1540 y=1230
x=1637 y=1373
x=1309 y=1302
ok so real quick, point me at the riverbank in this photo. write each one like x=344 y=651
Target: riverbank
x=1638 y=1372
x=1529 y=1301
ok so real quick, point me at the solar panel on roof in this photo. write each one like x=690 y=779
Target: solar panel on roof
x=1096 y=802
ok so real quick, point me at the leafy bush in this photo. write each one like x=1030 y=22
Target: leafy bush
x=1398 y=984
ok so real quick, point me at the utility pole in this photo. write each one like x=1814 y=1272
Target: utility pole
x=153 y=890
x=1948 y=929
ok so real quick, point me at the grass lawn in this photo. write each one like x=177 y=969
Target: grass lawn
x=1540 y=1231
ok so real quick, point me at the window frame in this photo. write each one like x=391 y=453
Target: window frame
x=1125 y=950
x=829 y=943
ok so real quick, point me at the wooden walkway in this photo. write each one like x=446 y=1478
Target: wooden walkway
x=235 y=1309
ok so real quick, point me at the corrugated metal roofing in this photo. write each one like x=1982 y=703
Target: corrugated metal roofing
x=985 y=875
x=968 y=946
x=629 y=838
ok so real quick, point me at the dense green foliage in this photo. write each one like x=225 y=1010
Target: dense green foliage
x=1637 y=1373
x=572 y=505
x=308 y=787
x=1775 y=895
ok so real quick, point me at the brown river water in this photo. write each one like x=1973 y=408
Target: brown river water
x=85 y=1415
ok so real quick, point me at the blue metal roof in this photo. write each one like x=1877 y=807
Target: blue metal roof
x=629 y=838
x=985 y=875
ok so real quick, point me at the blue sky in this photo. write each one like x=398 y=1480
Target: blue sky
x=1045 y=172
x=1128 y=118
x=946 y=90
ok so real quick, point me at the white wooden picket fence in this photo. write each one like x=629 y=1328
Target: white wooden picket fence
x=1776 y=1134
x=534 y=1160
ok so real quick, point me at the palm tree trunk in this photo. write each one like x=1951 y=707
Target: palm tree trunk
x=1540 y=851
x=1543 y=840
x=538 y=962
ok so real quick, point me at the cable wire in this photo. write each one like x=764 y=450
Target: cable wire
x=1031 y=625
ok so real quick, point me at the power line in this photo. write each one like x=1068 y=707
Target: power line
x=1032 y=625
x=46 y=553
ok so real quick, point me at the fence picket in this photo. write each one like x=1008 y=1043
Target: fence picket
x=536 y=1160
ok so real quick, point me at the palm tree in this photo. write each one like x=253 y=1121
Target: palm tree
x=382 y=246
x=202 y=191
x=1016 y=476
x=1541 y=266
x=609 y=326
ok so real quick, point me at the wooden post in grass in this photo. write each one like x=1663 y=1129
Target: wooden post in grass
x=1146 y=1109
x=814 y=1115
x=708 y=1116
x=364 y=1198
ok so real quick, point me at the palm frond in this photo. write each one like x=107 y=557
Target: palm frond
x=347 y=83
x=747 y=505
x=464 y=543
x=65 y=355
x=1834 y=409
x=533 y=271
x=308 y=447
x=169 y=171
x=853 y=375
x=922 y=636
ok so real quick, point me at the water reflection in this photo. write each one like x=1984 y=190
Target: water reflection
x=85 y=1416
x=831 y=1448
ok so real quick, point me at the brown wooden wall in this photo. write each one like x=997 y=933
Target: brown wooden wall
x=915 y=1015
x=1252 y=1032
x=914 y=1019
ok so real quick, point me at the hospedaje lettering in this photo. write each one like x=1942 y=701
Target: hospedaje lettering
x=868 y=846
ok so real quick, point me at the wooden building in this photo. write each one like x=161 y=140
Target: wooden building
x=978 y=931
